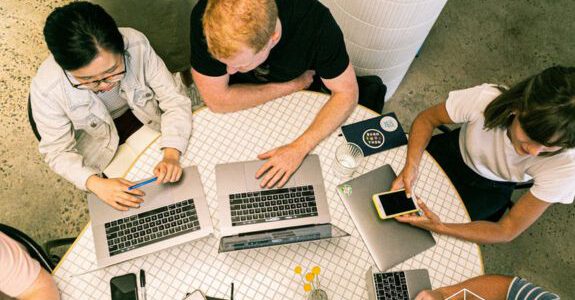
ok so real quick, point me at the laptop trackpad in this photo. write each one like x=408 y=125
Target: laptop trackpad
x=417 y=281
x=101 y=212
x=250 y=169
x=157 y=195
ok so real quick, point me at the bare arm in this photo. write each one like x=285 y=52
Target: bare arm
x=343 y=100
x=419 y=136
x=485 y=286
x=43 y=288
x=284 y=160
x=524 y=213
x=220 y=97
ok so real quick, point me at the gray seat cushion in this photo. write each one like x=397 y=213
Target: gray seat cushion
x=166 y=23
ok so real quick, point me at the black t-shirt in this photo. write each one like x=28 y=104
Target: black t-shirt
x=310 y=40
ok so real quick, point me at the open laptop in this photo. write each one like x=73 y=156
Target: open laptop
x=252 y=217
x=171 y=214
x=388 y=241
x=400 y=285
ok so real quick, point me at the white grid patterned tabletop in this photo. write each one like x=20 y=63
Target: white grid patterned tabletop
x=266 y=273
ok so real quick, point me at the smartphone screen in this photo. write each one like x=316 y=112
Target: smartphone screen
x=395 y=203
x=124 y=287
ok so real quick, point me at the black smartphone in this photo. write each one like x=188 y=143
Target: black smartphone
x=393 y=203
x=124 y=287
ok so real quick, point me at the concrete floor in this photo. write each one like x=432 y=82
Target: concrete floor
x=498 y=41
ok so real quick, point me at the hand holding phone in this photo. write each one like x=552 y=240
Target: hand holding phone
x=393 y=203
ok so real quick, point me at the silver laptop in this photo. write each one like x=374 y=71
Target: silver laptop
x=400 y=285
x=252 y=217
x=388 y=241
x=279 y=237
x=171 y=214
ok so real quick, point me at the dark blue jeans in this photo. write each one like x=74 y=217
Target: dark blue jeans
x=484 y=199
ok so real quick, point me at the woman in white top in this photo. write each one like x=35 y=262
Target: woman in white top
x=507 y=136
x=100 y=84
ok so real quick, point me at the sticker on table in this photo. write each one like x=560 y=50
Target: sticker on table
x=373 y=138
x=388 y=124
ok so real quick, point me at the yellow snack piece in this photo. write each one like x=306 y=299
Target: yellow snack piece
x=316 y=270
x=297 y=269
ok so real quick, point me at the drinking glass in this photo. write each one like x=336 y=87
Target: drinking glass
x=348 y=156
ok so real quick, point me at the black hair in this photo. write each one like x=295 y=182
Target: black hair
x=75 y=33
x=544 y=105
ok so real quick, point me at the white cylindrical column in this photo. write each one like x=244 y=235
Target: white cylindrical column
x=383 y=36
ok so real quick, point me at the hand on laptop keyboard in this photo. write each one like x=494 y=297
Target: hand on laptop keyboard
x=115 y=192
x=169 y=169
x=282 y=163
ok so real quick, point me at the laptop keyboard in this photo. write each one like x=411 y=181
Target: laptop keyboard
x=390 y=286
x=273 y=205
x=151 y=226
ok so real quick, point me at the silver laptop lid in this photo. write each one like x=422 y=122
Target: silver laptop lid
x=157 y=196
x=280 y=236
x=388 y=241
x=239 y=177
x=189 y=186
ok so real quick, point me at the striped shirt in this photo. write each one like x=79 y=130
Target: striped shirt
x=115 y=104
x=521 y=289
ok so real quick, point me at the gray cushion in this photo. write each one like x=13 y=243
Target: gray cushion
x=165 y=23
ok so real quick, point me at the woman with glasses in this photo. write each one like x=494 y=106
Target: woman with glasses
x=511 y=135
x=100 y=85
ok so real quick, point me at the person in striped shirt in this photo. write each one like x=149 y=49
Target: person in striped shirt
x=491 y=287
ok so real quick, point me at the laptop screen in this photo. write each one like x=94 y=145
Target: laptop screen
x=280 y=236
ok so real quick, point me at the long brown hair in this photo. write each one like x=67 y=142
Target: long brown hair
x=544 y=105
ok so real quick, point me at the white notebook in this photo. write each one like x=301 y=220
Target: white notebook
x=128 y=152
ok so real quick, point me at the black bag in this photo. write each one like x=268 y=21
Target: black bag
x=371 y=91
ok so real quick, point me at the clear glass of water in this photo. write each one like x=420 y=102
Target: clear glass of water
x=348 y=156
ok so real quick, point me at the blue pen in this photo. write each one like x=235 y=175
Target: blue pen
x=135 y=186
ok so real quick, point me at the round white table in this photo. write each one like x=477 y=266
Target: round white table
x=267 y=273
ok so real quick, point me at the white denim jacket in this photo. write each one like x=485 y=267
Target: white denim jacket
x=78 y=135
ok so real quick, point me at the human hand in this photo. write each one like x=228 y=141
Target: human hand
x=115 y=192
x=282 y=163
x=405 y=179
x=169 y=169
x=429 y=295
x=429 y=220
x=303 y=81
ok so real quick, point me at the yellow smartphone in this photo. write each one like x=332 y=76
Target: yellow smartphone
x=393 y=203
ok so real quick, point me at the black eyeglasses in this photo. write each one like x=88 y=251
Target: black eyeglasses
x=96 y=83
